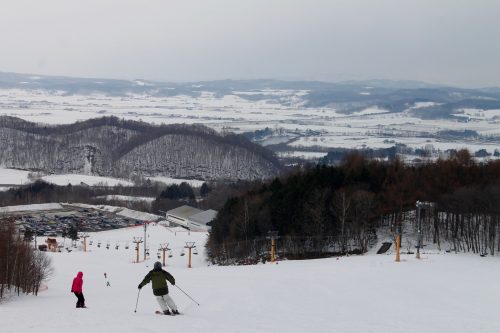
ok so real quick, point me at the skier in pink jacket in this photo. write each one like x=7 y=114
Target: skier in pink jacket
x=77 y=289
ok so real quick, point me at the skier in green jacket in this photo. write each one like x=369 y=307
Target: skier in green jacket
x=158 y=278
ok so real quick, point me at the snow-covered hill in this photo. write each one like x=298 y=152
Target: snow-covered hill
x=303 y=116
x=440 y=293
x=112 y=147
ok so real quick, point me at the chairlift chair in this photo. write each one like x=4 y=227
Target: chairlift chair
x=195 y=251
x=182 y=253
x=170 y=255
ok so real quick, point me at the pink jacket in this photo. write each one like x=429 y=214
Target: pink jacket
x=77 y=286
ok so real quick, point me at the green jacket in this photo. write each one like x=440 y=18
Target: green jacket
x=158 y=280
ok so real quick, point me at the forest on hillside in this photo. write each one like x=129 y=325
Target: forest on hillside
x=327 y=211
x=109 y=146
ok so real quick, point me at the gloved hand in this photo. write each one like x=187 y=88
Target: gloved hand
x=139 y=287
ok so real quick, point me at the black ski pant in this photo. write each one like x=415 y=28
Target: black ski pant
x=81 y=300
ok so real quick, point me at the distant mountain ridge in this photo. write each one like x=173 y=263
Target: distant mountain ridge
x=109 y=146
x=347 y=97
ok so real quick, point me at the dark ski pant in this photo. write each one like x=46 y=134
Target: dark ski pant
x=81 y=300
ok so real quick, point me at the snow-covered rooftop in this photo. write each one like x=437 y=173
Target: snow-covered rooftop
x=204 y=217
x=184 y=212
x=34 y=207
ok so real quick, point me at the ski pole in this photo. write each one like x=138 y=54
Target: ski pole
x=137 y=302
x=187 y=294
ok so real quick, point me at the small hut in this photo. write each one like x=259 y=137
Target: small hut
x=51 y=244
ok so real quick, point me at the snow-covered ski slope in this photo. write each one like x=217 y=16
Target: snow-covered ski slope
x=371 y=293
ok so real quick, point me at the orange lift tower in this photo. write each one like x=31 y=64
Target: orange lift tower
x=398 y=241
x=273 y=236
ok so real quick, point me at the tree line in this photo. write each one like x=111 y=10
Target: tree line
x=42 y=192
x=467 y=220
x=337 y=210
x=22 y=270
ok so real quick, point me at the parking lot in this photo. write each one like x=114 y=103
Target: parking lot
x=58 y=223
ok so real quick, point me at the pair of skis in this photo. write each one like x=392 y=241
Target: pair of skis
x=171 y=314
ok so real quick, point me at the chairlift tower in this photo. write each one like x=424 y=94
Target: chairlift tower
x=419 y=231
x=145 y=238
x=273 y=236
x=426 y=207
x=164 y=247
x=84 y=235
x=190 y=246
x=399 y=232
x=137 y=241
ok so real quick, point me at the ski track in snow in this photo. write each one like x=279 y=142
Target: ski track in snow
x=371 y=293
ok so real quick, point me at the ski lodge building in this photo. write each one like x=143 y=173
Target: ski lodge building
x=191 y=218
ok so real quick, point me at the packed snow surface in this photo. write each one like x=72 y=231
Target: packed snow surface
x=440 y=293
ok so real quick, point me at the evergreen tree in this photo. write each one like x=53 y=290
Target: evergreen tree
x=73 y=233
x=28 y=235
x=204 y=190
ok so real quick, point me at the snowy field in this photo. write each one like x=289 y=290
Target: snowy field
x=126 y=198
x=20 y=177
x=371 y=293
x=171 y=181
x=231 y=112
x=13 y=176
x=77 y=179
x=306 y=155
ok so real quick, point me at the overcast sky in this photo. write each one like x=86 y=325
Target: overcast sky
x=441 y=41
